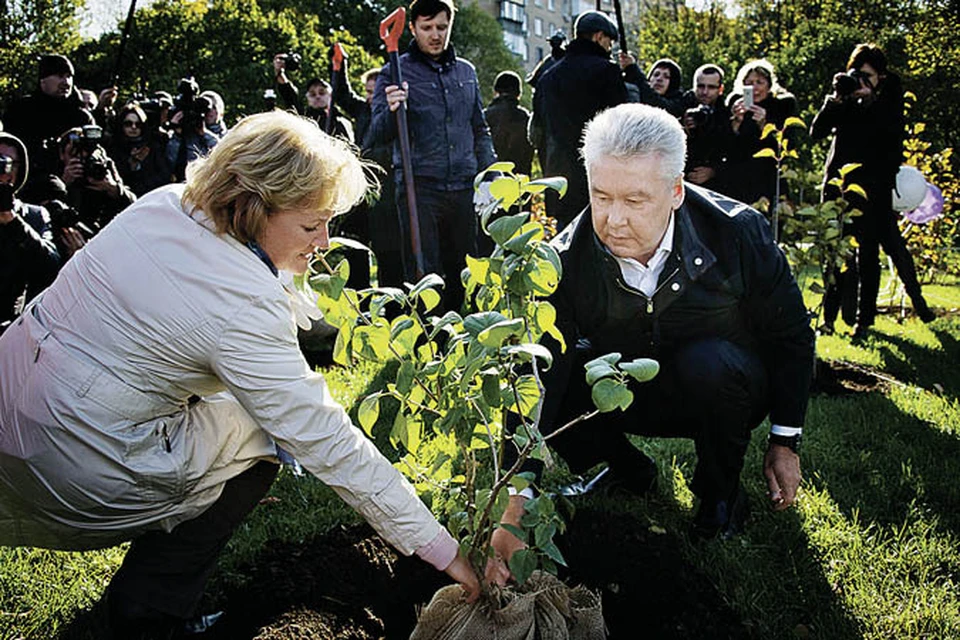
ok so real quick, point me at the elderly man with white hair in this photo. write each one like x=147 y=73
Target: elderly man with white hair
x=659 y=268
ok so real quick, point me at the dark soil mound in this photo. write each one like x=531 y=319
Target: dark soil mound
x=350 y=584
x=839 y=378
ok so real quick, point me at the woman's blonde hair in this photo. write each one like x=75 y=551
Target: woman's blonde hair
x=272 y=162
x=763 y=67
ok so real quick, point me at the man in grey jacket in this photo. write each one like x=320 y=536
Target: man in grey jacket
x=449 y=140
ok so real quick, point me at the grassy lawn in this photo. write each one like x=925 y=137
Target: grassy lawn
x=871 y=551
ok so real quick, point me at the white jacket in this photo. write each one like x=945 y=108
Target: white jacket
x=97 y=441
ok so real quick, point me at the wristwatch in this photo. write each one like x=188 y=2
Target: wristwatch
x=791 y=442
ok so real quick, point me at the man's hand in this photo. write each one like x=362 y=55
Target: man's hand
x=505 y=544
x=700 y=175
x=280 y=68
x=73 y=171
x=461 y=571
x=6 y=217
x=107 y=98
x=781 y=466
x=71 y=240
x=395 y=95
x=626 y=60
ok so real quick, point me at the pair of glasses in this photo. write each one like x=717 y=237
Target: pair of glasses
x=132 y=123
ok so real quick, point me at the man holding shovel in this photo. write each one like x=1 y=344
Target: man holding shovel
x=449 y=143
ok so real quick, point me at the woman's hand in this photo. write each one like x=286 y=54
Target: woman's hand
x=461 y=571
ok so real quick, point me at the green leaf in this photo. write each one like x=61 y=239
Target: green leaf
x=557 y=183
x=518 y=243
x=338 y=241
x=506 y=191
x=368 y=412
x=491 y=390
x=519 y=533
x=794 y=121
x=428 y=281
x=430 y=299
x=765 y=153
x=608 y=394
x=599 y=370
x=529 y=396
x=503 y=228
x=768 y=129
x=405 y=378
x=847 y=168
x=531 y=351
x=477 y=322
x=543 y=534
x=522 y=564
x=492 y=337
x=642 y=369
x=554 y=553
x=857 y=189
x=610 y=358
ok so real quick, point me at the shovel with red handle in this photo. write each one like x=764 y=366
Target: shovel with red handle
x=336 y=61
x=390 y=30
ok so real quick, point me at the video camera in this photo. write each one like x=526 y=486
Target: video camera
x=193 y=106
x=95 y=161
x=291 y=61
x=699 y=114
x=845 y=83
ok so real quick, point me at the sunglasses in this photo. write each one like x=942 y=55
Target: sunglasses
x=132 y=123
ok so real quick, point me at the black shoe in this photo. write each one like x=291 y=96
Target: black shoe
x=826 y=329
x=131 y=620
x=925 y=313
x=723 y=519
x=861 y=331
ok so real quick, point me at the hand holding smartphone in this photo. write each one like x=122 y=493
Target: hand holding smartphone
x=748 y=96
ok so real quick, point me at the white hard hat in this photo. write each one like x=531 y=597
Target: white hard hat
x=910 y=189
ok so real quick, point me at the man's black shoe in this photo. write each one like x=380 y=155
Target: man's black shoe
x=721 y=519
x=131 y=620
x=925 y=313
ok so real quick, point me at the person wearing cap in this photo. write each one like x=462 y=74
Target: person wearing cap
x=661 y=87
x=449 y=141
x=867 y=125
x=568 y=95
x=44 y=115
x=29 y=259
x=558 y=47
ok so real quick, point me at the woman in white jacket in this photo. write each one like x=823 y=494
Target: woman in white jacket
x=102 y=437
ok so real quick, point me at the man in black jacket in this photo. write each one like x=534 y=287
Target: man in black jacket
x=46 y=114
x=574 y=90
x=508 y=123
x=661 y=269
x=29 y=260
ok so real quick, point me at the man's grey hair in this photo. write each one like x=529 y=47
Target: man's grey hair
x=632 y=130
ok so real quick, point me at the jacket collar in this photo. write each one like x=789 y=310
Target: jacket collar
x=580 y=47
x=448 y=57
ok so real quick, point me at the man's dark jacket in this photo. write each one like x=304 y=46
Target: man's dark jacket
x=449 y=138
x=582 y=84
x=725 y=279
x=508 y=126
x=29 y=260
x=38 y=117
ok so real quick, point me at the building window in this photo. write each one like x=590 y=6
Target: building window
x=539 y=54
x=512 y=11
x=538 y=3
x=550 y=5
x=552 y=30
x=537 y=27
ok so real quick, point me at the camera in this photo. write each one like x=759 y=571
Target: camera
x=191 y=104
x=844 y=84
x=95 y=162
x=63 y=216
x=291 y=61
x=699 y=114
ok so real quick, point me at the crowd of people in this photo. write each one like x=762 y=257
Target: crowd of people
x=146 y=364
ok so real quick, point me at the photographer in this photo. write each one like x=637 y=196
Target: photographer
x=864 y=113
x=140 y=156
x=709 y=136
x=319 y=97
x=191 y=138
x=94 y=185
x=46 y=114
x=29 y=260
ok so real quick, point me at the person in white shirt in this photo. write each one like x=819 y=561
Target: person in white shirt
x=659 y=268
x=145 y=393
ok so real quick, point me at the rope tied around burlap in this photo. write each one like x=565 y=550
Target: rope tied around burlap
x=544 y=608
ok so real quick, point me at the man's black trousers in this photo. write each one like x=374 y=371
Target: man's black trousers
x=712 y=391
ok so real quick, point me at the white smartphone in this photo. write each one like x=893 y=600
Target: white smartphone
x=748 y=96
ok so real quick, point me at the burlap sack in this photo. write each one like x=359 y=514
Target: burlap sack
x=542 y=609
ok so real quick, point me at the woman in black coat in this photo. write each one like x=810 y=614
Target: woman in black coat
x=752 y=178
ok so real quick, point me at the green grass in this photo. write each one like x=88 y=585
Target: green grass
x=870 y=552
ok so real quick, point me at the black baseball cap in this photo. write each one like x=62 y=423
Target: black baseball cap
x=593 y=21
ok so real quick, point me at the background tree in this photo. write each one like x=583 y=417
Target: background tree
x=31 y=27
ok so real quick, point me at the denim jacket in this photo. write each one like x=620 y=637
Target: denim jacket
x=449 y=137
